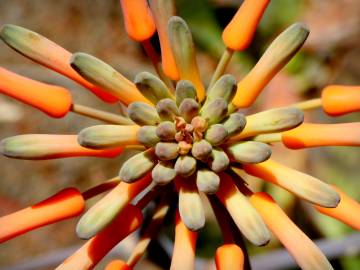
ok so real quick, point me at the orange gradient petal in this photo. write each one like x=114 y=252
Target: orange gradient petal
x=312 y=135
x=117 y=265
x=302 y=249
x=184 y=247
x=348 y=210
x=53 y=100
x=239 y=33
x=139 y=23
x=229 y=257
x=97 y=247
x=339 y=99
x=64 y=204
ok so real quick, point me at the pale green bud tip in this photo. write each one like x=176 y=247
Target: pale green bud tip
x=207 y=181
x=137 y=166
x=188 y=109
x=201 y=150
x=166 y=150
x=216 y=134
x=147 y=136
x=215 y=111
x=184 y=89
x=166 y=131
x=167 y=109
x=224 y=88
x=87 y=66
x=249 y=152
x=163 y=173
x=185 y=166
x=151 y=87
x=235 y=123
x=219 y=161
x=143 y=114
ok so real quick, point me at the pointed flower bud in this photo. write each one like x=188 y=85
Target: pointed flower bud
x=271 y=121
x=219 y=160
x=216 y=134
x=235 y=123
x=143 y=114
x=302 y=185
x=167 y=150
x=103 y=75
x=340 y=99
x=167 y=109
x=184 y=53
x=163 y=173
x=239 y=33
x=44 y=146
x=302 y=249
x=249 y=152
x=185 y=166
x=190 y=206
x=147 y=136
x=184 y=89
x=152 y=87
x=105 y=136
x=108 y=208
x=215 y=111
x=65 y=204
x=188 y=109
x=224 y=88
x=49 y=54
x=137 y=166
x=207 y=181
x=139 y=22
x=242 y=212
x=229 y=256
x=166 y=131
x=278 y=54
x=201 y=150
x=53 y=100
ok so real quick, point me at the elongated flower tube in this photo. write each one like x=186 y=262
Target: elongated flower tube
x=117 y=265
x=139 y=22
x=53 y=100
x=307 y=255
x=313 y=135
x=97 y=247
x=302 y=185
x=229 y=257
x=281 y=50
x=47 y=53
x=47 y=146
x=340 y=99
x=64 y=204
x=184 y=246
x=344 y=211
x=239 y=33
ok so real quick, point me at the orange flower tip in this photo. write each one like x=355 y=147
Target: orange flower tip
x=239 y=33
x=139 y=23
x=117 y=265
x=229 y=256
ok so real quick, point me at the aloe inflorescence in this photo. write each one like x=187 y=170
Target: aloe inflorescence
x=191 y=139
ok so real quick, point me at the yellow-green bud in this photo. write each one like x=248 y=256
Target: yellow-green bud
x=143 y=114
x=215 y=111
x=184 y=89
x=219 y=161
x=163 y=173
x=235 y=123
x=167 y=109
x=188 y=109
x=249 y=152
x=166 y=131
x=201 y=150
x=207 y=181
x=147 y=136
x=167 y=150
x=224 y=88
x=216 y=134
x=185 y=165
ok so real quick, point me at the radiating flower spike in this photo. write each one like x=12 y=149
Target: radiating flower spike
x=46 y=146
x=307 y=255
x=277 y=55
x=53 y=100
x=47 y=53
x=184 y=53
x=65 y=204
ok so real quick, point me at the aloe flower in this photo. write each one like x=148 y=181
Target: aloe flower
x=192 y=139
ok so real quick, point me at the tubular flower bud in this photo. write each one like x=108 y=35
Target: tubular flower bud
x=166 y=150
x=185 y=166
x=249 y=152
x=224 y=88
x=117 y=265
x=147 y=136
x=184 y=89
x=215 y=111
x=201 y=150
x=139 y=22
x=167 y=109
x=188 y=109
x=219 y=160
x=229 y=256
x=166 y=131
x=163 y=173
x=207 y=181
x=216 y=134
x=143 y=114
x=235 y=123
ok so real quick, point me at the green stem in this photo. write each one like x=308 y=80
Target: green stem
x=268 y=138
x=224 y=61
x=308 y=105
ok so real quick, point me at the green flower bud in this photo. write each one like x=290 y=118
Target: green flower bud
x=249 y=152
x=219 y=161
x=166 y=131
x=201 y=150
x=184 y=89
x=185 y=166
x=188 y=109
x=167 y=109
x=216 y=134
x=207 y=181
x=215 y=111
x=235 y=123
x=163 y=173
x=137 y=166
x=143 y=114
x=167 y=150
x=152 y=87
x=224 y=88
x=147 y=136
